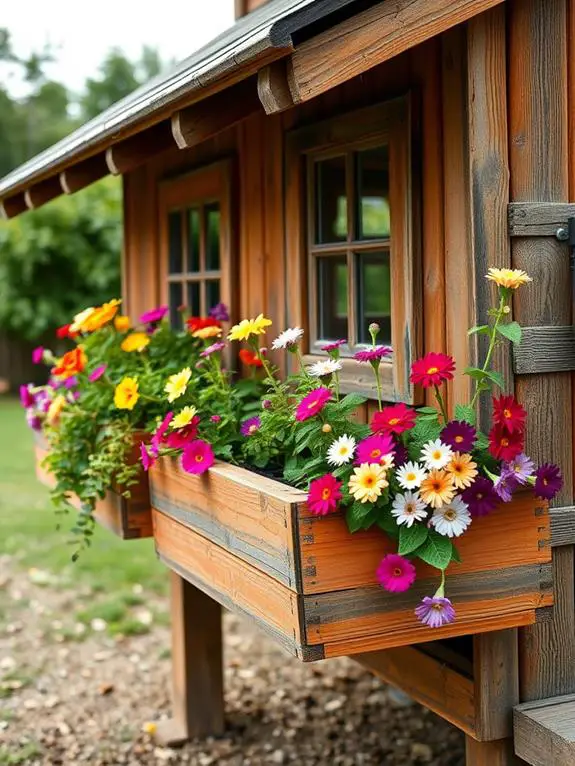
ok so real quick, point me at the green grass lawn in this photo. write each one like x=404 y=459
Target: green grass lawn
x=29 y=532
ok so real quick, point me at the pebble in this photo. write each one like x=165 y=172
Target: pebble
x=98 y=625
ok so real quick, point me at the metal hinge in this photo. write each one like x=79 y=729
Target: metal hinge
x=540 y=219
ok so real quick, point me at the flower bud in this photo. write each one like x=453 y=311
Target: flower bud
x=507 y=309
x=215 y=418
x=266 y=404
x=326 y=428
x=374 y=328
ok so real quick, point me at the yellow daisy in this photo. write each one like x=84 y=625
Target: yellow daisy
x=101 y=316
x=367 y=482
x=259 y=324
x=184 y=417
x=462 y=470
x=126 y=394
x=137 y=341
x=56 y=407
x=437 y=489
x=177 y=384
x=122 y=323
x=248 y=327
x=510 y=278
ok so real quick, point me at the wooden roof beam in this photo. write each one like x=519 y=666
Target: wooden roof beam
x=197 y=123
x=370 y=38
x=83 y=174
x=10 y=207
x=132 y=152
x=273 y=87
x=41 y=193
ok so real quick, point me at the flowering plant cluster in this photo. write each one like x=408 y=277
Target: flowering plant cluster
x=416 y=473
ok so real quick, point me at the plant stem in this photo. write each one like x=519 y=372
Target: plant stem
x=490 y=350
x=302 y=366
x=378 y=385
x=441 y=404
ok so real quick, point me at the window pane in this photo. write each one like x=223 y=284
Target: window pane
x=332 y=297
x=175 y=242
x=212 y=293
x=330 y=201
x=213 y=237
x=193 y=222
x=194 y=306
x=176 y=300
x=373 y=295
x=373 y=193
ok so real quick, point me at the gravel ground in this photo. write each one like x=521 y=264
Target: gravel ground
x=72 y=694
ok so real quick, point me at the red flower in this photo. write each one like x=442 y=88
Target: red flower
x=199 y=323
x=508 y=413
x=432 y=370
x=393 y=420
x=70 y=364
x=503 y=444
x=324 y=494
x=250 y=358
x=64 y=332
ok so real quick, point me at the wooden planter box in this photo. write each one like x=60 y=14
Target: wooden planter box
x=129 y=518
x=251 y=544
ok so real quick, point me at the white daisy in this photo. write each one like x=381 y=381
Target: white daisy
x=410 y=475
x=436 y=454
x=387 y=461
x=408 y=508
x=341 y=450
x=452 y=519
x=325 y=367
x=288 y=338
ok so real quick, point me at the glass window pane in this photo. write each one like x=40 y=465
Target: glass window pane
x=373 y=295
x=373 y=193
x=194 y=305
x=212 y=293
x=176 y=300
x=175 y=263
x=212 y=237
x=193 y=223
x=332 y=297
x=330 y=201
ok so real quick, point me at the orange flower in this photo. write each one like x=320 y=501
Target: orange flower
x=122 y=323
x=71 y=363
x=249 y=358
x=100 y=316
x=207 y=332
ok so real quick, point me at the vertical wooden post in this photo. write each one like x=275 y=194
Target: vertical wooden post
x=497 y=753
x=538 y=68
x=197 y=667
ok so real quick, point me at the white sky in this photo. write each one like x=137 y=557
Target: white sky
x=82 y=32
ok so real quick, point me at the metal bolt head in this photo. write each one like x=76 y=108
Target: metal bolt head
x=562 y=234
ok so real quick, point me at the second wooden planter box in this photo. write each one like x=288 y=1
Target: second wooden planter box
x=251 y=544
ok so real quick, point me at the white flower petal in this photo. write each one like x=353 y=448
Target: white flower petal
x=341 y=450
x=288 y=338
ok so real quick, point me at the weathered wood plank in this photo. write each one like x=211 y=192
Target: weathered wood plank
x=538 y=219
x=545 y=349
x=273 y=88
x=135 y=151
x=562 y=525
x=545 y=731
x=496 y=679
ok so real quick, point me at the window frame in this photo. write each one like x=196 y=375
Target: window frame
x=385 y=123
x=200 y=188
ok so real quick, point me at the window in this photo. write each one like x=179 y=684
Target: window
x=350 y=240
x=195 y=236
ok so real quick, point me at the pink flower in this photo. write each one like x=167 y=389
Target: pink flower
x=395 y=573
x=197 y=457
x=160 y=432
x=183 y=436
x=154 y=315
x=374 y=449
x=334 y=345
x=435 y=612
x=214 y=348
x=148 y=459
x=375 y=354
x=215 y=418
x=38 y=355
x=324 y=494
x=312 y=403
x=97 y=373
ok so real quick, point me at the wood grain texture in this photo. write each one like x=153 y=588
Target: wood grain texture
x=498 y=753
x=273 y=88
x=545 y=349
x=137 y=150
x=83 y=174
x=430 y=682
x=370 y=38
x=562 y=525
x=496 y=683
x=545 y=731
x=538 y=219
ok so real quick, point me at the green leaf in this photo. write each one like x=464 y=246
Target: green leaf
x=436 y=551
x=411 y=538
x=351 y=402
x=495 y=377
x=356 y=514
x=465 y=412
x=427 y=410
x=474 y=372
x=511 y=331
x=455 y=554
x=388 y=524
x=482 y=329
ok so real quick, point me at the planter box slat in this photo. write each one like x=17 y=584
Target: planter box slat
x=253 y=545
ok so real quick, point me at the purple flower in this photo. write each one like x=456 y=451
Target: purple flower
x=215 y=418
x=459 y=435
x=219 y=312
x=148 y=459
x=26 y=396
x=548 y=481
x=522 y=468
x=375 y=354
x=33 y=419
x=218 y=346
x=334 y=345
x=38 y=355
x=480 y=497
x=250 y=426
x=505 y=485
x=435 y=612
x=71 y=382
x=97 y=373
x=154 y=315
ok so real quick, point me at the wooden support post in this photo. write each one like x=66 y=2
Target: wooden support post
x=197 y=667
x=538 y=68
x=497 y=753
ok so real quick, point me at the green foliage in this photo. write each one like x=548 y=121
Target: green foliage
x=437 y=551
x=412 y=538
x=511 y=331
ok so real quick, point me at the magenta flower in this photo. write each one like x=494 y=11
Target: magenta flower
x=266 y=404
x=312 y=403
x=160 y=432
x=154 y=315
x=38 y=355
x=324 y=494
x=219 y=312
x=374 y=449
x=183 y=436
x=480 y=497
x=71 y=382
x=334 y=345
x=505 y=485
x=548 y=481
x=97 y=373
x=33 y=419
x=26 y=396
x=459 y=435
x=250 y=425
x=218 y=346
x=395 y=573
x=521 y=466
x=148 y=459
x=435 y=612
x=197 y=457
x=215 y=418
x=375 y=354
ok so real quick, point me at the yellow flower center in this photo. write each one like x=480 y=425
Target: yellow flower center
x=375 y=453
x=437 y=607
x=199 y=458
x=432 y=370
x=504 y=442
x=410 y=477
x=343 y=451
x=369 y=481
x=252 y=428
x=394 y=421
x=507 y=413
x=459 y=439
x=436 y=455
x=326 y=493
